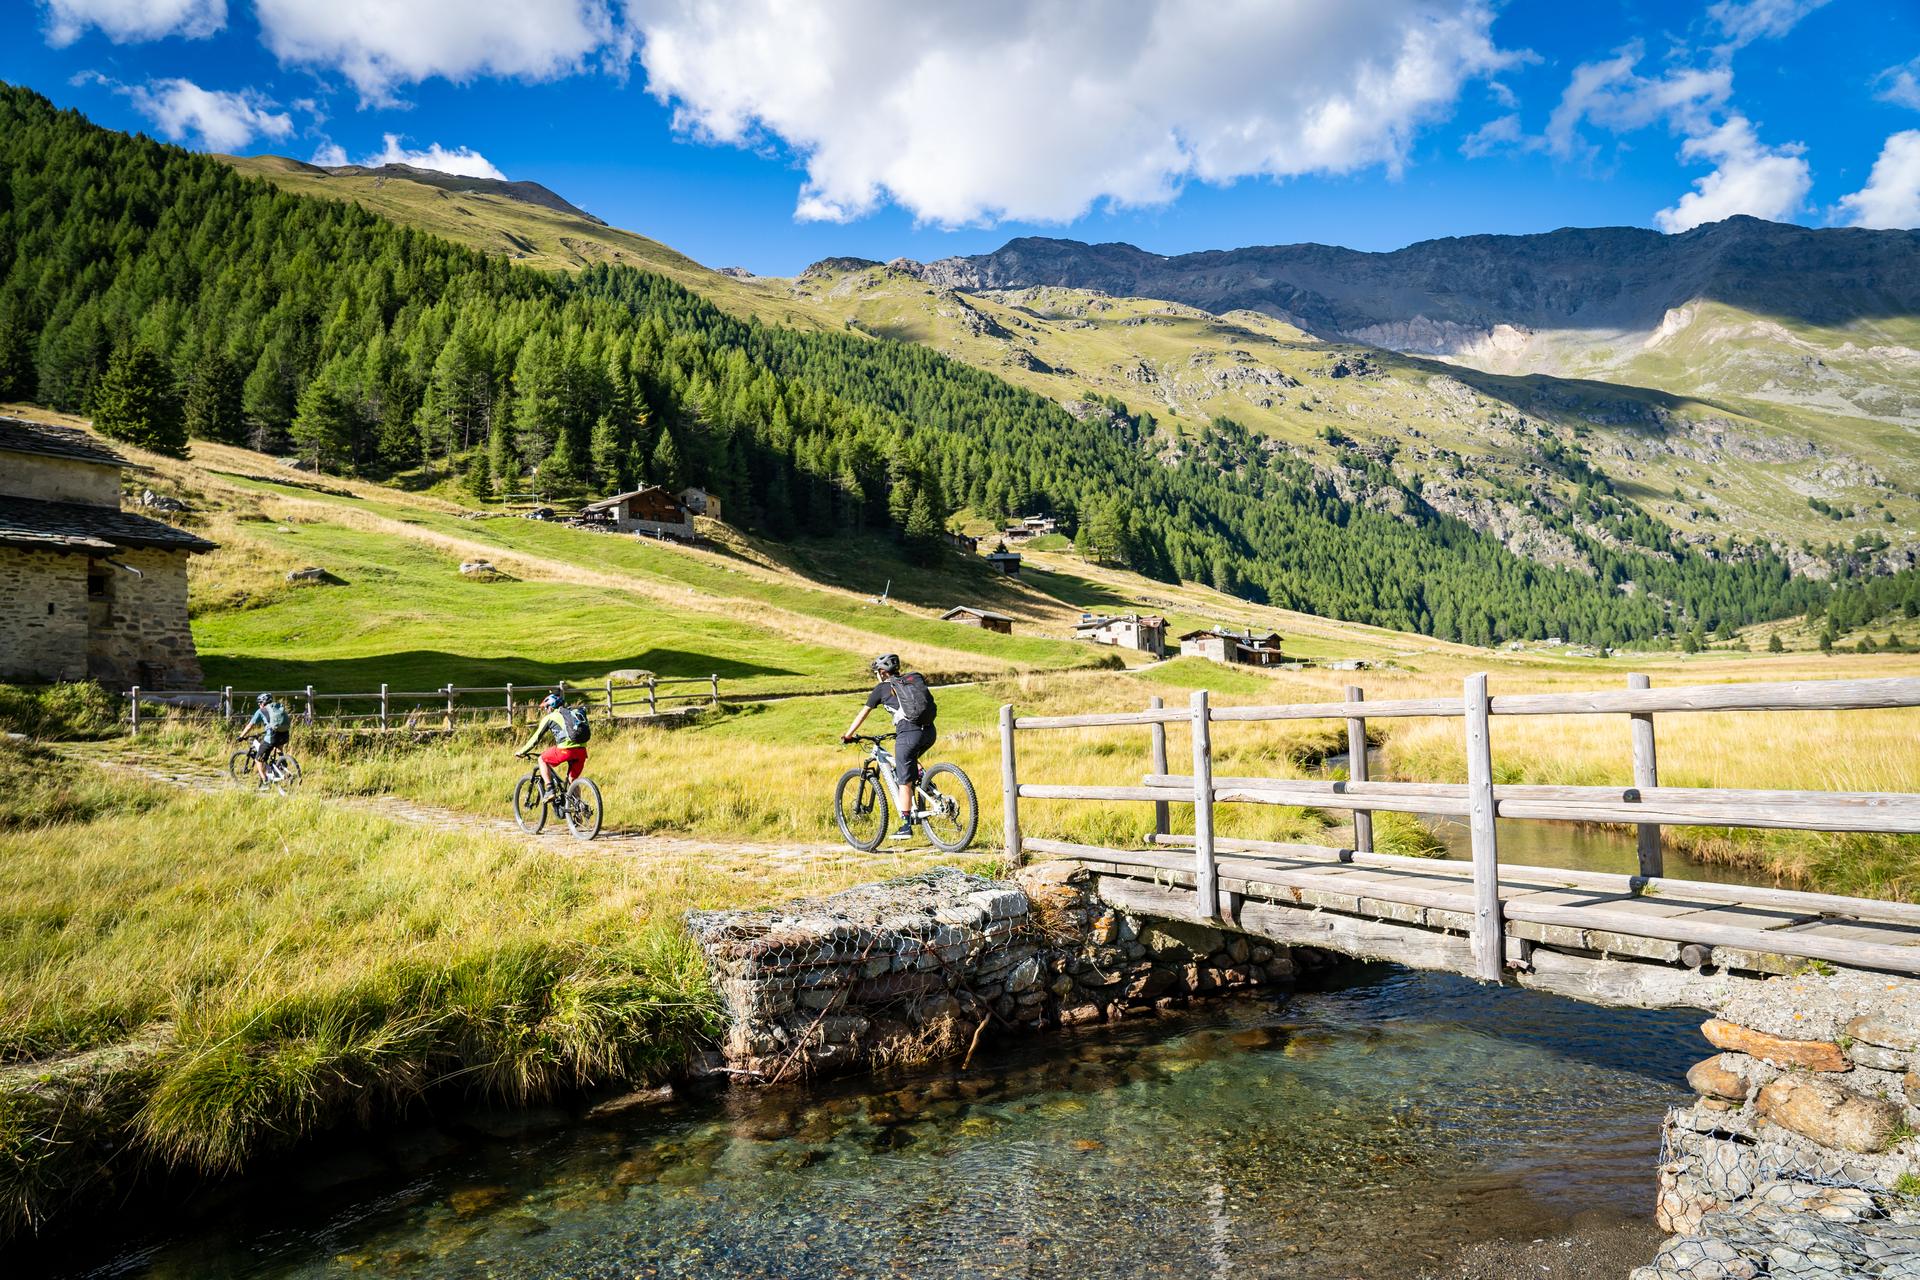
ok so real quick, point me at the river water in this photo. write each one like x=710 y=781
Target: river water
x=1369 y=1126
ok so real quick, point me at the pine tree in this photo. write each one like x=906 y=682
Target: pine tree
x=213 y=407
x=502 y=467
x=323 y=424
x=666 y=469
x=135 y=401
x=561 y=470
x=479 y=480
x=605 y=453
x=923 y=529
x=1774 y=645
x=18 y=377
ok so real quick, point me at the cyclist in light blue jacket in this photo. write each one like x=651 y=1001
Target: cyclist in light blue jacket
x=276 y=727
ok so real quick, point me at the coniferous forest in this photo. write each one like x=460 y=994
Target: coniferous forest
x=172 y=298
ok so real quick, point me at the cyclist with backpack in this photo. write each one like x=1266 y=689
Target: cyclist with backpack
x=570 y=731
x=910 y=701
x=276 y=728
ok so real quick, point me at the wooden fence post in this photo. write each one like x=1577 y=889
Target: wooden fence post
x=1161 y=822
x=1489 y=930
x=1009 y=785
x=133 y=712
x=383 y=707
x=653 y=705
x=609 y=697
x=1357 y=771
x=309 y=704
x=1206 y=881
x=1646 y=773
x=226 y=704
x=449 y=692
x=716 y=688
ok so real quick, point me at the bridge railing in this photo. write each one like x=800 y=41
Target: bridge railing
x=1645 y=804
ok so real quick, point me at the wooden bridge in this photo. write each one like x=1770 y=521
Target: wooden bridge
x=1619 y=938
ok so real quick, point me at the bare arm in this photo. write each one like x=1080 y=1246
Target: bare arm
x=857 y=722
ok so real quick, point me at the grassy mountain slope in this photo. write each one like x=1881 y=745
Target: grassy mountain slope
x=1782 y=414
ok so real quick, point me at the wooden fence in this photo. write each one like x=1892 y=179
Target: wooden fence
x=432 y=710
x=1646 y=804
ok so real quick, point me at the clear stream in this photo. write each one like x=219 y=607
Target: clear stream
x=1369 y=1126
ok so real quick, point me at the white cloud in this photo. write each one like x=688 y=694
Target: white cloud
x=1745 y=21
x=380 y=45
x=1749 y=177
x=1002 y=109
x=1891 y=197
x=124 y=21
x=1900 y=85
x=1502 y=133
x=1614 y=96
x=221 y=120
x=461 y=160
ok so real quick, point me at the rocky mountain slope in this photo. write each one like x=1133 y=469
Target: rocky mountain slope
x=1494 y=376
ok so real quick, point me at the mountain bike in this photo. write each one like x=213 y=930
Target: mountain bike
x=283 y=771
x=577 y=804
x=944 y=800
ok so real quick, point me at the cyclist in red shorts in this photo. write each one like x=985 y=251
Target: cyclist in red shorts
x=569 y=728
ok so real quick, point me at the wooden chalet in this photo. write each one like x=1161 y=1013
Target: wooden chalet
x=652 y=511
x=986 y=619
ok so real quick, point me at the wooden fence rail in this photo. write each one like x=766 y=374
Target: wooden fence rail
x=418 y=710
x=1645 y=805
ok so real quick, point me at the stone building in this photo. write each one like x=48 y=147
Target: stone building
x=87 y=590
x=1218 y=644
x=1147 y=633
x=986 y=619
x=651 y=510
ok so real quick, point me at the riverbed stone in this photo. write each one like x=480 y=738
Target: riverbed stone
x=1813 y=1055
x=1180 y=937
x=1712 y=1078
x=1885 y=1032
x=1823 y=1111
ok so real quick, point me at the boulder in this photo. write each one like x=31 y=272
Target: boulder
x=1180 y=937
x=1713 y=1079
x=312 y=573
x=1814 y=1055
x=1885 y=1032
x=1820 y=1110
x=479 y=569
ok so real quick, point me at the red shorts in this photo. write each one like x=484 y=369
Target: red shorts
x=575 y=758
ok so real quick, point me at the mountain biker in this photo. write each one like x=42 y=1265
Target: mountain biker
x=910 y=701
x=570 y=732
x=276 y=726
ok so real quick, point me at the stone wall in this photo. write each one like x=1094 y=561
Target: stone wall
x=1798 y=1157
x=43 y=615
x=46 y=479
x=140 y=634
x=923 y=966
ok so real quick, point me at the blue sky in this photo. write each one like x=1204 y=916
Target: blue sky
x=767 y=134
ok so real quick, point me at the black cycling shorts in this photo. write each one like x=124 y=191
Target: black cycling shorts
x=278 y=737
x=909 y=744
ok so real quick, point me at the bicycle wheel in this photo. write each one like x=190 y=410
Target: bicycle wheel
x=285 y=772
x=240 y=765
x=529 y=810
x=953 y=811
x=583 y=808
x=860 y=809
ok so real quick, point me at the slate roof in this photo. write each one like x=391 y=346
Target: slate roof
x=978 y=613
x=80 y=527
x=18 y=435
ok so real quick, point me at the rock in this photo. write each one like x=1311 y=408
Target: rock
x=472 y=1200
x=1822 y=1111
x=480 y=569
x=1000 y=904
x=1179 y=937
x=1814 y=1055
x=1884 y=1033
x=312 y=573
x=1712 y=1079
x=1860 y=1053
x=631 y=1101
x=1836 y=1204
x=1025 y=975
x=1702 y=1258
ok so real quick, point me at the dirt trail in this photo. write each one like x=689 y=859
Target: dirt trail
x=743 y=856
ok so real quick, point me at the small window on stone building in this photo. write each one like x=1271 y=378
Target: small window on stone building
x=99 y=582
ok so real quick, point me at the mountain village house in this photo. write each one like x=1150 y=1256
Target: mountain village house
x=1222 y=645
x=652 y=511
x=1148 y=634
x=986 y=619
x=1030 y=527
x=87 y=590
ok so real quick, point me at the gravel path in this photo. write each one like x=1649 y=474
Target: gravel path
x=743 y=856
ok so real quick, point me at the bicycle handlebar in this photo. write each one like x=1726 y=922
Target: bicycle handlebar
x=869 y=737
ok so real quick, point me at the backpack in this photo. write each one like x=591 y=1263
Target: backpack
x=914 y=698
x=578 y=729
x=277 y=716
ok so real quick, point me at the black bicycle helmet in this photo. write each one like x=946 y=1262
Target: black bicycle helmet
x=887 y=664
